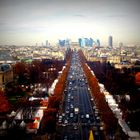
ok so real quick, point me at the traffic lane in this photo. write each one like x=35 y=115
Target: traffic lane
x=84 y=96
x=70 y=133
x=85 y=102
x=85 y=132
x=86 y=107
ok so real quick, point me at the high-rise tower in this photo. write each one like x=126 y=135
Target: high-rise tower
x=98 y=43
x=110 y=41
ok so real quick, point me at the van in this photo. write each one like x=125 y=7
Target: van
x=71 y=115
x=87 y=116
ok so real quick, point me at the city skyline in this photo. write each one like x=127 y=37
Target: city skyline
x=29 y=21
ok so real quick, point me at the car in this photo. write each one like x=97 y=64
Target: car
x=64 y=125
x=60 y=117
x=67 y=111
x=75 y=127
x=65 y=121
x=60 y=121
x=71 y=105
x=87 y=116
x=65 y=137
x=63 y=114
x=71 y=115
x=76 y=110
x=91 y=99
x=72 y=97
x=101 y=128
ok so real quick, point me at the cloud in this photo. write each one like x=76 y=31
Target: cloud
x=116 y=15
x=2 y=23
x=79 y=15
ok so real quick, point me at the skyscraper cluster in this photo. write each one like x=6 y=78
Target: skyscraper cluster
x=88 y=42
x=83 y=42
x=64 y=42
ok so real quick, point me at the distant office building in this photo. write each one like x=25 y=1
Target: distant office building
x=67 y=42
x=81 y=42
x=110 y=41
x=47 y=43
x=120 y=44
x=88 y=42
x=98 y=43
x=62 y=43
x=94 y=43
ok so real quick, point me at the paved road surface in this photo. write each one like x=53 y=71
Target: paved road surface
x=79 y=114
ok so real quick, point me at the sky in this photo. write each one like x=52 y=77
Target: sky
x=27 y=22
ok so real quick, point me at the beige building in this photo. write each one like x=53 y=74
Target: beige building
x=6 y=74
x=120 y=66
x=114 y=59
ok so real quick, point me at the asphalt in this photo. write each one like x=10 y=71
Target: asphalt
x=78 y=114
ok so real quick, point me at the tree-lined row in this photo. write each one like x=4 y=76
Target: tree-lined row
x=121 y=83
x=48 y=123
x=4 y=104
x=115 y=80
x=107 y=116
x=38 y=71
x=27 y=75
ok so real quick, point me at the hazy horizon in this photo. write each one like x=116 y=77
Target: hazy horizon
x=26 y=22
